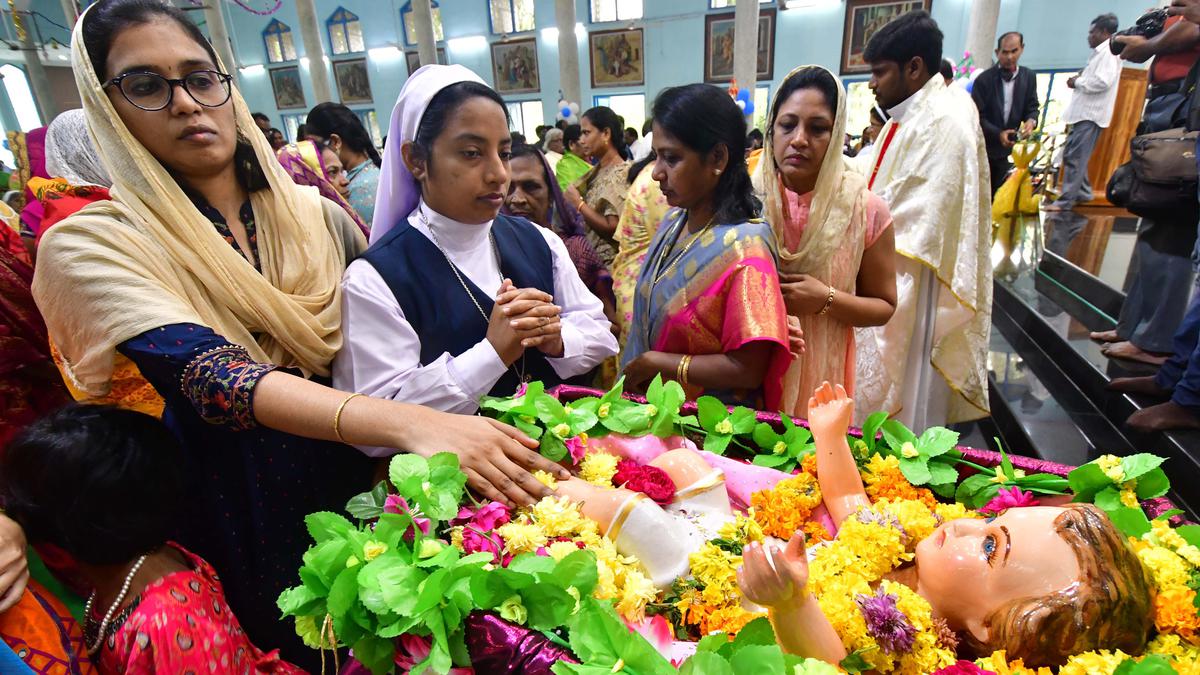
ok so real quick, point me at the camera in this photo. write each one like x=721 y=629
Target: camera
x=1148 y=25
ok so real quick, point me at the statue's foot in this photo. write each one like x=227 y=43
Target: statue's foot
x=1163 y=417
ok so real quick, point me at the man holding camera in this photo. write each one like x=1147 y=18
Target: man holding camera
x=1006 y=95
x=1089 y=112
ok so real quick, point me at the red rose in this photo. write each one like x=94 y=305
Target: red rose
x=649 y=480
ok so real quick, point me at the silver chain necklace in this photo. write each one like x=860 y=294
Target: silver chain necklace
x=520 y=373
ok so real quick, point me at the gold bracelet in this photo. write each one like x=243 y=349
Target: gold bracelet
x=582 y=203
x=828 y=303
x=337 y=417
x=684 y=364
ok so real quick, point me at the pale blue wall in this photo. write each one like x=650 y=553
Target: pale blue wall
x=1055 y=33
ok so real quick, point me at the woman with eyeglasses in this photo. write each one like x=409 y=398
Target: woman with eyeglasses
x=219 y=277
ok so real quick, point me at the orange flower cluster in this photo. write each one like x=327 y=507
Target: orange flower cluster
x=883 y=480
x=1175 y=613
x=709 y=619
x=786 y=508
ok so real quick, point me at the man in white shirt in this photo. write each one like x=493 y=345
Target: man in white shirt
x=1089 y=112
x=642 y=146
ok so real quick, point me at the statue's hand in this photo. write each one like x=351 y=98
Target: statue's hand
x=772 y=576
x=829 y=411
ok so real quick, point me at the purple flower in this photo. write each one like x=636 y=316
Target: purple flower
x=887 y=624
x=881 y=517
x=1008 y=498
x=577 y=448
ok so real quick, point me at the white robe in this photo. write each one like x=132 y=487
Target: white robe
x=928 y=365
x=381 y=356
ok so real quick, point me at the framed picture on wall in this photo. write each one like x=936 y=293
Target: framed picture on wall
x=285 y=82
x=515 y=67
x=718 y=46
x=864 y=18
x=352 y=81
x=618 y=58
x=413 y=60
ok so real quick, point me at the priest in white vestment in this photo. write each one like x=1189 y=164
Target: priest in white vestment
x=928 y=365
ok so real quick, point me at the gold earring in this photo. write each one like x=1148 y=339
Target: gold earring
x=716 y=172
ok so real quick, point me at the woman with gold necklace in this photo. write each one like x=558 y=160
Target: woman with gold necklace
x=708 y=310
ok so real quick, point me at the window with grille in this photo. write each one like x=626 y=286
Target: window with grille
x=615 y=10
x=345 y=32
x=410 y=26
x=511 y=16
x=278 y=40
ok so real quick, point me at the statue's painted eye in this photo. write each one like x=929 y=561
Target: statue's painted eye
x=989 y=548
x=989 y=519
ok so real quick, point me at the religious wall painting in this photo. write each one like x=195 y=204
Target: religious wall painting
x=864 y=18
x=515 y=67
x=618 y=58
x=285 y=83
x=718 y=46
x=353 y=84
x=413 y=59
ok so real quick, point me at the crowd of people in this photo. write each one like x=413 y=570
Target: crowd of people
x=276 y=303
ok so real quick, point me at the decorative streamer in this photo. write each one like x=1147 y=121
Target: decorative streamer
x=17 y=23
x=260 y=12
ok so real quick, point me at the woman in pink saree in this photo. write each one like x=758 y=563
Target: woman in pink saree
x=708 y=311
x=311 y=164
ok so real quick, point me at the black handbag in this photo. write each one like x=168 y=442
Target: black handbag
x=1159 y=181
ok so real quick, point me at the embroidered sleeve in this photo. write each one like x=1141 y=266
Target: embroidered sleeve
x=220 y=382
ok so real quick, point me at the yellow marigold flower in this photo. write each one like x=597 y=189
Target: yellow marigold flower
x=1190 y=553
x=513 y=610
x=731 y=620
x=561 y=549
x=909 y=451
x=953 y=511
x=546 y=478
x=724 y=426
x=1111 y=466
x=373 y=549
x=999 y=664
x=1100 y=662
x=742 y=529
x=456 y=537
x=557 y=516
x=521 y=537
x=779 y=448
x=879 y=465
x=636 y=592
x=598 y=468
x=1129 y=498
x=1167 y=568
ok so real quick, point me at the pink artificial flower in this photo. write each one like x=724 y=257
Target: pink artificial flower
x=397 y=504
x=1008 y=498
x=412 y=649
x=476 y=541
x=657 y=631
x=963 y=668
x=487 y=517
x=576 y=447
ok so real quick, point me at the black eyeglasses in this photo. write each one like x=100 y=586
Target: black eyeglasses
x=151 y=91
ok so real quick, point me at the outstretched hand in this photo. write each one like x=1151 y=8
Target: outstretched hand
x=829 y=411
x=14 y=567
x=771 y=576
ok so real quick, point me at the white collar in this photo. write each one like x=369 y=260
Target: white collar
x=449 y=233
x=901 y=109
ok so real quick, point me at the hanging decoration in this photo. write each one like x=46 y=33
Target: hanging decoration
x=244 y=4
x=568 y=111
x=17 y=22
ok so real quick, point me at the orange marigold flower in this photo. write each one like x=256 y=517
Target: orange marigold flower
x=784 y=509
x=1175 y=613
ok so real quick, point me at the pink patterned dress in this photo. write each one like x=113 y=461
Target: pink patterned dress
x=181 y=624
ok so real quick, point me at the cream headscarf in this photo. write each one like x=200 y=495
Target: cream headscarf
x=837 y=191
x=149 y=258
x=829 y=249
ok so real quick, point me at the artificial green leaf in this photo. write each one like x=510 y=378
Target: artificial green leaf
x=553 y=448
x=327 y=559
x=716 y=443
x=975 y=490
x=1153 y=483
x=1190 y=533
x=896 y=434
x=708 y=663
x=368 y=505
x=405 y=468
x=377 y=654
x=855 y=663
x=773 y=461
x=577 y=569
x=712 y=642
x=871 y=428
x=1134 y=466
x=1132 y=521
x=344 y=591
x=325 y=525
x=756 y=632
x=550 y=411
x=548 y=605
x=941 y=473
x=531 y=563
x=1165 y=515
x=945 y=490
x=765 y=437
x=530 y=429
x=1108 y=499
x=710 y=412
x=1086 y=481
x=314 y=582
x=1152 y=664
x=915 y=470
x=936 y=441
x=298 y=601
x=743 y=420
x=758 y=659
x=1006 y=464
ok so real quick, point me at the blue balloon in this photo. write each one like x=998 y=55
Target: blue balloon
x=749 y=109
x=743 y=95
x=566 y=112
x=970 y=85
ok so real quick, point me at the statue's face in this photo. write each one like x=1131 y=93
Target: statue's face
x=968 y=568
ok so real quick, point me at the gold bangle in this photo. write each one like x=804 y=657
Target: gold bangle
x=582 y=203
x=684 y=364
x=828 y=303
x=337 y=417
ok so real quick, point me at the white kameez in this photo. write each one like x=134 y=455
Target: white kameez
x=382 y=352
x=928 y=365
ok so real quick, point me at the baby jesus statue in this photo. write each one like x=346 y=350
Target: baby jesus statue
x=1041 y=583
